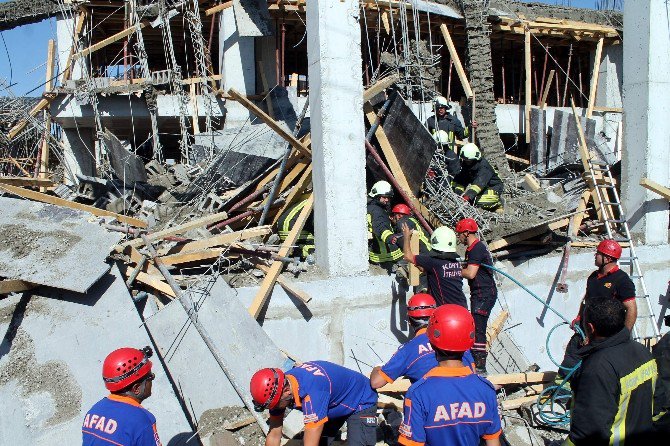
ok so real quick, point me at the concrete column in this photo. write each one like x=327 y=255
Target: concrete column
x=610 y=81
x=237 y=64
x=646 y=153
x=78 y=153
x=64 y=41
x=338 y=134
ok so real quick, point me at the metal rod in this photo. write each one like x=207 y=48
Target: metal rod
x=250 y=197
x=192 y=315
x=375 y=125
x=567 y=78
x=243 y=215
x=136 y=271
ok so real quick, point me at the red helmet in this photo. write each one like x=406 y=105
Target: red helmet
x=401 y=209
x=421 y=305
x=610 y=248
x=266 y=387
x=467 y=224
x=451 y=328
x=125 y=366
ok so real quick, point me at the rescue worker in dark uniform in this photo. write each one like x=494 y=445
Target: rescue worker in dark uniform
x=483 y=289
x=661 y=354
x=402 y=214
x=613 y=389
x=380 y=232
x=416 y=357
x=444 y=121
x=477 y=182
x=450 y=405
x=328 y=396
x=119 y=418
x=286 y=222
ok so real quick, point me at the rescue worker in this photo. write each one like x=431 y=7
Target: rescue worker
x=441 y=265
x=380 y=232
x=477 y=181
x=119 y=418
x=328 y=395
x=445 y=121
x=607 y=282
x=661 y=354
x=414 y=358
x=286 y=222
x=483 y=290
x=450 y=405
x=451 y=160
x=614 y=386
x=402 y=214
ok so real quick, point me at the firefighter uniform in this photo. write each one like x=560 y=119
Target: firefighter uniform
x=119 y=420
x=450 y=406
x=480 y=183
x=330 y=394
x=415 y=358
x=414 y=225
x=379 y=234
x=287 y=221
x=447 y=123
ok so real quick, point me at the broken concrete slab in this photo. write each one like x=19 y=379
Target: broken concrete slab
x=127 y=166
x=252 y=18
x=538 y=140
x=51 y=358
x=52 y=245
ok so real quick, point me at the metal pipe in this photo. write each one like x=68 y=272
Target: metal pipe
x=283 y=54
x=544 y=74
x=250 y=197
x=243 y=215
x=192 y=315
x=375 y=125
x=211 y=37
x=567 y=78
x=277 y=78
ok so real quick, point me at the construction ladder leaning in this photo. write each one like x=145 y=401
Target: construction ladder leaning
x=617 y=229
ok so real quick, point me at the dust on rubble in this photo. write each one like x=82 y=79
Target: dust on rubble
x=214 y=421
x=21 y=242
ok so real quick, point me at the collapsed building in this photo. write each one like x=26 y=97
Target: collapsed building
x=186 y=129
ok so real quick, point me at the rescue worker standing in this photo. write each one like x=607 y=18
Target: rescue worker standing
x=441 y=265
x=444 y=121
x=614 y=386
x=450 y=405
x=483 y=290
x=607 y=282
x=286 y=222
x=414 y=358
x=380 y=232
x=119 y=418
x=328 y=395
x=477 y=181
x=402 y=214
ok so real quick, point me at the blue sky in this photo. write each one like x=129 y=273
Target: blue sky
x=24 y=50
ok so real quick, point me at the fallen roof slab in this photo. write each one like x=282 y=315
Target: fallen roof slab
x=52 y=245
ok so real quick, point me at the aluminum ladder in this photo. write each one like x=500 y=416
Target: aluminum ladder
x=617 y=228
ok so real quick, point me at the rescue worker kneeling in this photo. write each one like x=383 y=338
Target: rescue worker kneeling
x=380 y=232
x=450 y=405
x=286 y=222
x=477 y=182
x=328 y=396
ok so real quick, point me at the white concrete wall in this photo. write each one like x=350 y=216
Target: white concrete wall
x=64 y=41
x=646 y=51
x=610 y=77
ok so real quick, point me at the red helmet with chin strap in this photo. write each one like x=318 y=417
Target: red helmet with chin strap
x=610 y=248
x=401 y=209
x=266 y=387
x=421 y=305
x=451 y=328
x=125 y=366
x=466 y=224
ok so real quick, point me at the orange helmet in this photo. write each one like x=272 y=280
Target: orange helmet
x=451 y=328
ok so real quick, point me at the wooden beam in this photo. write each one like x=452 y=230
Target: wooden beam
x=48 y=86
x=300 y=187
x=581 y=212
x=527 y=70
x=226 y=238
x=51 y=52
x=197 y=80
x=44 y=198
x=655 y=187
x=457 y=61
x=379 y=86
x=525 y=235
x=547 y=86
x=75 y=38
x=253 y=108
x=266 y=87
x=218 y=8
x=155 y=282
x=276 y=267
x=109 y=40
x=288 y=285
x=519 y=402
x=21 y=181
x=608 y=109
x=495 y=328
x=517 y=159
x=193 y=256
x=594 y=78
x=179 y=229
x=414 y=272
x=15 y=286
x=401 y=385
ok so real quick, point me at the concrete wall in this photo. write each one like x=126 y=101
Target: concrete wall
x=65 y=36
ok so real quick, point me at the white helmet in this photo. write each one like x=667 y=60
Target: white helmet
x=441 y=101
x=443 y=239
x=441 y=137
x=382 y=188
x=470 y=151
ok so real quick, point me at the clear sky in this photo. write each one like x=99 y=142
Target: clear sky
x=23 y=52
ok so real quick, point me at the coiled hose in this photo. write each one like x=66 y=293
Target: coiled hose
x=548 y=399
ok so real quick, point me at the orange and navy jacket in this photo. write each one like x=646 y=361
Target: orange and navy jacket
x=119 y=421
x=323 y=390
x=450 y=406
x=414 y=359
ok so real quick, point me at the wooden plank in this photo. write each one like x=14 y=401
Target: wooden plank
x=527 y=72
x=414 y=272
x=51 y=52
x=587 y=244
x=22 y=181
x=525 y=235
x=493 y=330
x=109 y=40
x=517 y=159
x=276 y=267
x=48 y=86
x=379 y=86
x=303 y=183
x=531 y=182
x=655 y=187
x=594 y=78
x=401 y=385
x=457 y=61
x=547 y=86
x=226 y=238
x=218 y=8
x=70 y=57
x=15 y=286
x=180 y=229
x=193 y=256
x=154 y=282
x=44 y=198
x=198 y=80
x=608 y=109
x=266 y=88
x=288 y=285
x=253 y=108
x=519 y=402
x=581 y=209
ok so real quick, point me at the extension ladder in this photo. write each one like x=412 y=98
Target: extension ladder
x=617 y=229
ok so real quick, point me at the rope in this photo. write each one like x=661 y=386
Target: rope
x=555 y=396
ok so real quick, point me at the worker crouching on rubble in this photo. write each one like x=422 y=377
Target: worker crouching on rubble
x=119 y=418
x=477 y=181
x=414 y=358
x=450 y=405
x=328 y=395
x=380 y=231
